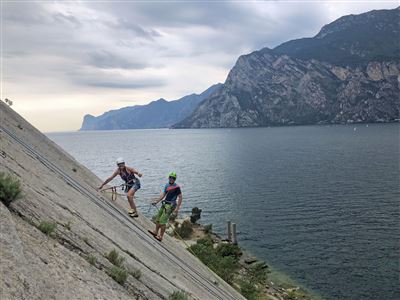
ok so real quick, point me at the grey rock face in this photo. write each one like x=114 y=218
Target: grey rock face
x=268 y=89
x=157 y=114
x=37 y=266
x=271 y=87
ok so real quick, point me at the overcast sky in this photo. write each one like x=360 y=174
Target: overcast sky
x=64 y=59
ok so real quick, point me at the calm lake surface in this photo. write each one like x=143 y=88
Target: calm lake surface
x=320 y=203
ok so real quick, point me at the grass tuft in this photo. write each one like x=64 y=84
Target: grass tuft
x=47 y=227
x=115 y=259
x=118 y=274
x=178 y=295
x=91 y=259
x=136 y=273
x=10 y=189
x=68 y=225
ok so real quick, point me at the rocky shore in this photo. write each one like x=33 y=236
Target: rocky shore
x=275 y=288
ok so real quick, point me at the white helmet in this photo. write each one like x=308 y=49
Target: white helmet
x=120 y=160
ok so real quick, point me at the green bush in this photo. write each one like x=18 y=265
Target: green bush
x=226 y=249
x=208 y=228
x=10 y=189
x=253 y=281
x=115 y=259
x=292 y=295
x=206 y=241
x=118 y=274
x=225 y=266
x=185 y=230
x=47 y=227
x=249 y=290
x=295 y=294
x=258 y=273
x=178 y=295
x=203 y=252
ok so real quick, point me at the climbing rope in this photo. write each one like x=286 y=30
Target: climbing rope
x=114 y=192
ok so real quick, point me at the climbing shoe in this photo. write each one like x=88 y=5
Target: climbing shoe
x=152 y=233
x=132 y=213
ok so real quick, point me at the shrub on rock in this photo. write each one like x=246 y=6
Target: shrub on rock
x=10 y=189
x=185 y=229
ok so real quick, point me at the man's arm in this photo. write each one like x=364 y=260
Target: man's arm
x=162 y=195
x=109 y=179
x=179 y=203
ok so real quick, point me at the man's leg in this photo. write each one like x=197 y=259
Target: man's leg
x=131 y=196
x=155 y=233
x=157 y=228
x=157 y=220
x=164 y=220
x=162 y=231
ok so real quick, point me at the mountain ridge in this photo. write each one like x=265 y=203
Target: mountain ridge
x=157 y=114
x=373 y=32
x=270 y=87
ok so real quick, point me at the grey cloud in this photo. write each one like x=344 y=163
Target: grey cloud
x=137 y=30
x=104 y=59
x=67 y=20
x=36 y=13
x=133 y=36
x=238 y=26
x=127 y=85
x=178 y=13
x=29 y=13
x=91 y=77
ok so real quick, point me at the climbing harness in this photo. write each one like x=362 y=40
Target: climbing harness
x=114 y=192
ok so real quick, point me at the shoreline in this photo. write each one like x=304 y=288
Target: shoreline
x=279 y=285
x=251 y=127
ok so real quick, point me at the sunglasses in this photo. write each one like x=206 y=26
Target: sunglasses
x=173 y=178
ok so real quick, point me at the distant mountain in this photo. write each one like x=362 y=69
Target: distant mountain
x=349 y=72
x=156 y=114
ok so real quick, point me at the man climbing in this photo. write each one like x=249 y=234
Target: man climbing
x=171 y=192
x=132 y=184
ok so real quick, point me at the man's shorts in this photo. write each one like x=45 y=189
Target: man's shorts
x=134 y=185
x=164 y=213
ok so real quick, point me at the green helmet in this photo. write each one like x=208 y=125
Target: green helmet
x=172 y=174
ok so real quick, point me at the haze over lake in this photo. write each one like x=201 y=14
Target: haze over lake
x=320 y=203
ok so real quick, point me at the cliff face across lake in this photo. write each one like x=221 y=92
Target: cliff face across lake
x=347 y=73
x=73 y=261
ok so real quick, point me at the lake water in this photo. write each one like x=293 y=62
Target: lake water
x=320 y=203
